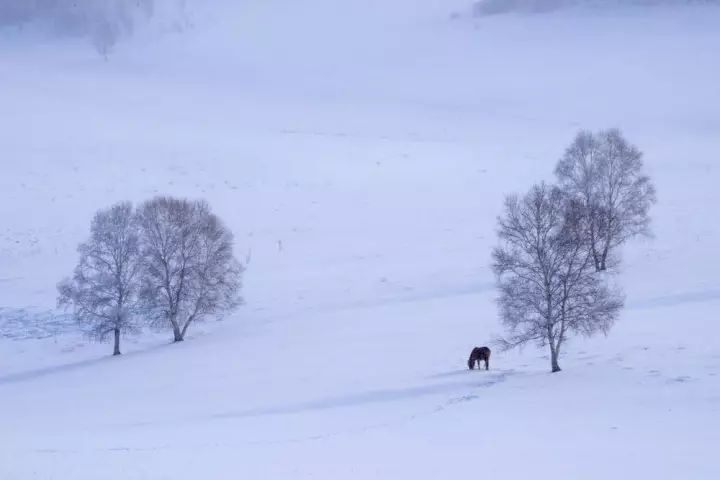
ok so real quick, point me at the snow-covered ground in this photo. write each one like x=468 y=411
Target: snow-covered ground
x=360 y=151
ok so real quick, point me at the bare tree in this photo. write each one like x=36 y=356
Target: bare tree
x=105 y=22
x=103 y=290
x=605 y=173
x=15 y=12
x=104 y=37
x=548 y=285
x=189 y=268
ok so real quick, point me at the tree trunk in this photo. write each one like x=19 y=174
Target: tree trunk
x=116 y=349
x=185 y=327
x=596 y=257
x=594 y=242
x=554 y=359
x=177 y=334
x=555 y=365
x=603 y=259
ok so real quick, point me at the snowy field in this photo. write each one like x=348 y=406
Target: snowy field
x=360 y=152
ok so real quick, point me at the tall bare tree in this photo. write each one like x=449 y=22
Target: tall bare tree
x=549 y=288
x=605 y=173
x=189 y=269
x=103 y=290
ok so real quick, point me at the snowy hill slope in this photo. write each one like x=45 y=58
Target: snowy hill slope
x=360 y=152
x=494 y=7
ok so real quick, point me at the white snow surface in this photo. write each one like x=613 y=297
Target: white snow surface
x=360 y=151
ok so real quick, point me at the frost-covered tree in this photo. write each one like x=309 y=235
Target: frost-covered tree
x=103 y=21
x=105 y=35
x=549 y=288
x=103 y=290
x=605 y=174
x=189 y=270
x=15 y=12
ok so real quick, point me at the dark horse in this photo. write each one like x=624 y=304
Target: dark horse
x=477 y=355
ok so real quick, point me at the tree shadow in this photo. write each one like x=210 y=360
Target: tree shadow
x=78 y=365
x=43 y=372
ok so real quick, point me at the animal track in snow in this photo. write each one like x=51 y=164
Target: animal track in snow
x=680 y=379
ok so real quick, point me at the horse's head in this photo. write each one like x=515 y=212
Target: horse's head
x=471 y=363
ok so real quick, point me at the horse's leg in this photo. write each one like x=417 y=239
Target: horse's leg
x=487 y=363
